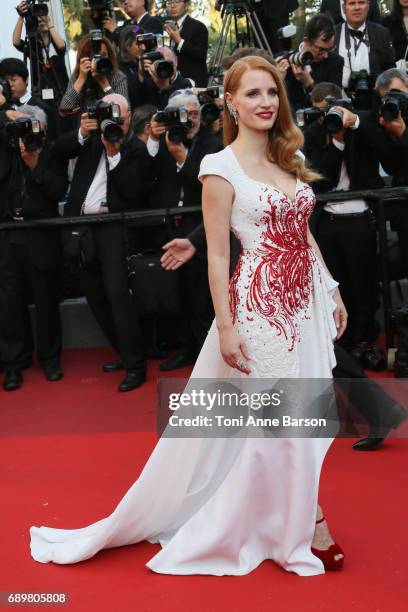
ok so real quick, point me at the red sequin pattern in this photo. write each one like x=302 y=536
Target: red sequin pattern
x=281 y=280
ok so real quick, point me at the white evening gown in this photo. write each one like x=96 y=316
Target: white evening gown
x=222 y=506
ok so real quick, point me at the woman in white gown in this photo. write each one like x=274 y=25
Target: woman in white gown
x=222 y=506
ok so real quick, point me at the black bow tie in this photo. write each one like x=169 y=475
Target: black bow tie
x=356 y=34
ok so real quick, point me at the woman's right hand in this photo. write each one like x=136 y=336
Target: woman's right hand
x=233 y=350
x=85 y=66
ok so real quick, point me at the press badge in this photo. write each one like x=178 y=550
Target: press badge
x=47 y=94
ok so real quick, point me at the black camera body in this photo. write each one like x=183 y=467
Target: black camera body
x=176 y=121
x=210 y=111
x=150 y=41
x=164 y=69
x=332 y=117
x=109 y=120
x=103 y=65
x=37 y=8
x=360 y=82
x=298 y=58
x=392 y=104
x=101 y=10
x=28 y=129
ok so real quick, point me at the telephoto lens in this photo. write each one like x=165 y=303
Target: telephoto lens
x=333 y=121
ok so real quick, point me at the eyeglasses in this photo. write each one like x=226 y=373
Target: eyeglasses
x=322 y=50
x=184 y=92
x=171 y=2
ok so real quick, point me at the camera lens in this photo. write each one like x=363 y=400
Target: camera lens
x=111 y=131
x=333 y=122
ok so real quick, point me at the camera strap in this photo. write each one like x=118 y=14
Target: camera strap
x=364 y=39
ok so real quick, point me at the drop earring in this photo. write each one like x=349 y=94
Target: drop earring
x=232 y=111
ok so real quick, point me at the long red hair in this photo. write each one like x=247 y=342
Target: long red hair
x=285 y=138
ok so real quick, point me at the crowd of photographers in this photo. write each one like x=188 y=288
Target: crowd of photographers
x=138 y=117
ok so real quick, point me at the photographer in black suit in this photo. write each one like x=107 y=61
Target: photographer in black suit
x=345 y=232
x=326 y=66
x=189 y=39
x=32 y=182
x=273 y=16
x=336 y=10
x=177 y=168
x=111 y=175
x=364 y=45
x=157 y=90
x=139 y=16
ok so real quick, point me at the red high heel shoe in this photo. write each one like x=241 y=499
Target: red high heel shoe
x=327 y=556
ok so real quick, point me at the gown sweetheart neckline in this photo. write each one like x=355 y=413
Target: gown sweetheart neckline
x=269 y=185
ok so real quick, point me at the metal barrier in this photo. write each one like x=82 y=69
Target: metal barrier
x=376 y=198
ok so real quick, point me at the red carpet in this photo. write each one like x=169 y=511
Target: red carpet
x=70 y=450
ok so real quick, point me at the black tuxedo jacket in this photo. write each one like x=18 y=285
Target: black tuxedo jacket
x=129 y=184
x=333 y=8
x=170 y=182
x=361 y=159
x=151 y=24
x=330 y=69
x=398 y=33
x=192 y=58
x=45 y=186
x=381 y=51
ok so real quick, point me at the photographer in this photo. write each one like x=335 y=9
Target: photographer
x=88 y=82
x=189 y=40
x=386 y=131
x=364 y=45
x=345 y=232
x=130 y=57
x=317 y=62
x=273 y=16
x=178 y=149
x=16 y=73
x=47 y=52
x=110 y=176
x=32 y=181
x=139 y=16
x=336 y=10
x=157 y=89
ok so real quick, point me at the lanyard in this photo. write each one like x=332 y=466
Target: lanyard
x=356 y=45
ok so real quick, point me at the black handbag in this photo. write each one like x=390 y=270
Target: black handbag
x=155 y=290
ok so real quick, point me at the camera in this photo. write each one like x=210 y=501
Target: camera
x=150 y=41
x=163 y=68
x=332 y=117
x=103 y=65
x=28 y=129
x=108 y=118
x=360 y=82
x=298 y=58
x=176 y=121
x=5 y=90
x=101 y=10
x=210 y=111
x=36 y=8
x=392 y=104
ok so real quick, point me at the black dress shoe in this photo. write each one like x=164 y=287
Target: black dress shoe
x=113 y=366
x=53 y=372
x=12 y=380
x=132 y=380
x=179 y=360
x=366 y=444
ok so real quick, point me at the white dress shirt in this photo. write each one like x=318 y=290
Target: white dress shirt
x=359 y=57
x=95 y=201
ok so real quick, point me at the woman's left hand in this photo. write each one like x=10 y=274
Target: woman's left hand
x=340 y=314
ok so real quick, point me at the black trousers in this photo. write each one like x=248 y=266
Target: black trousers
x=348 y=246
x=377 y=407
x=105 y=285
x=21 y=282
